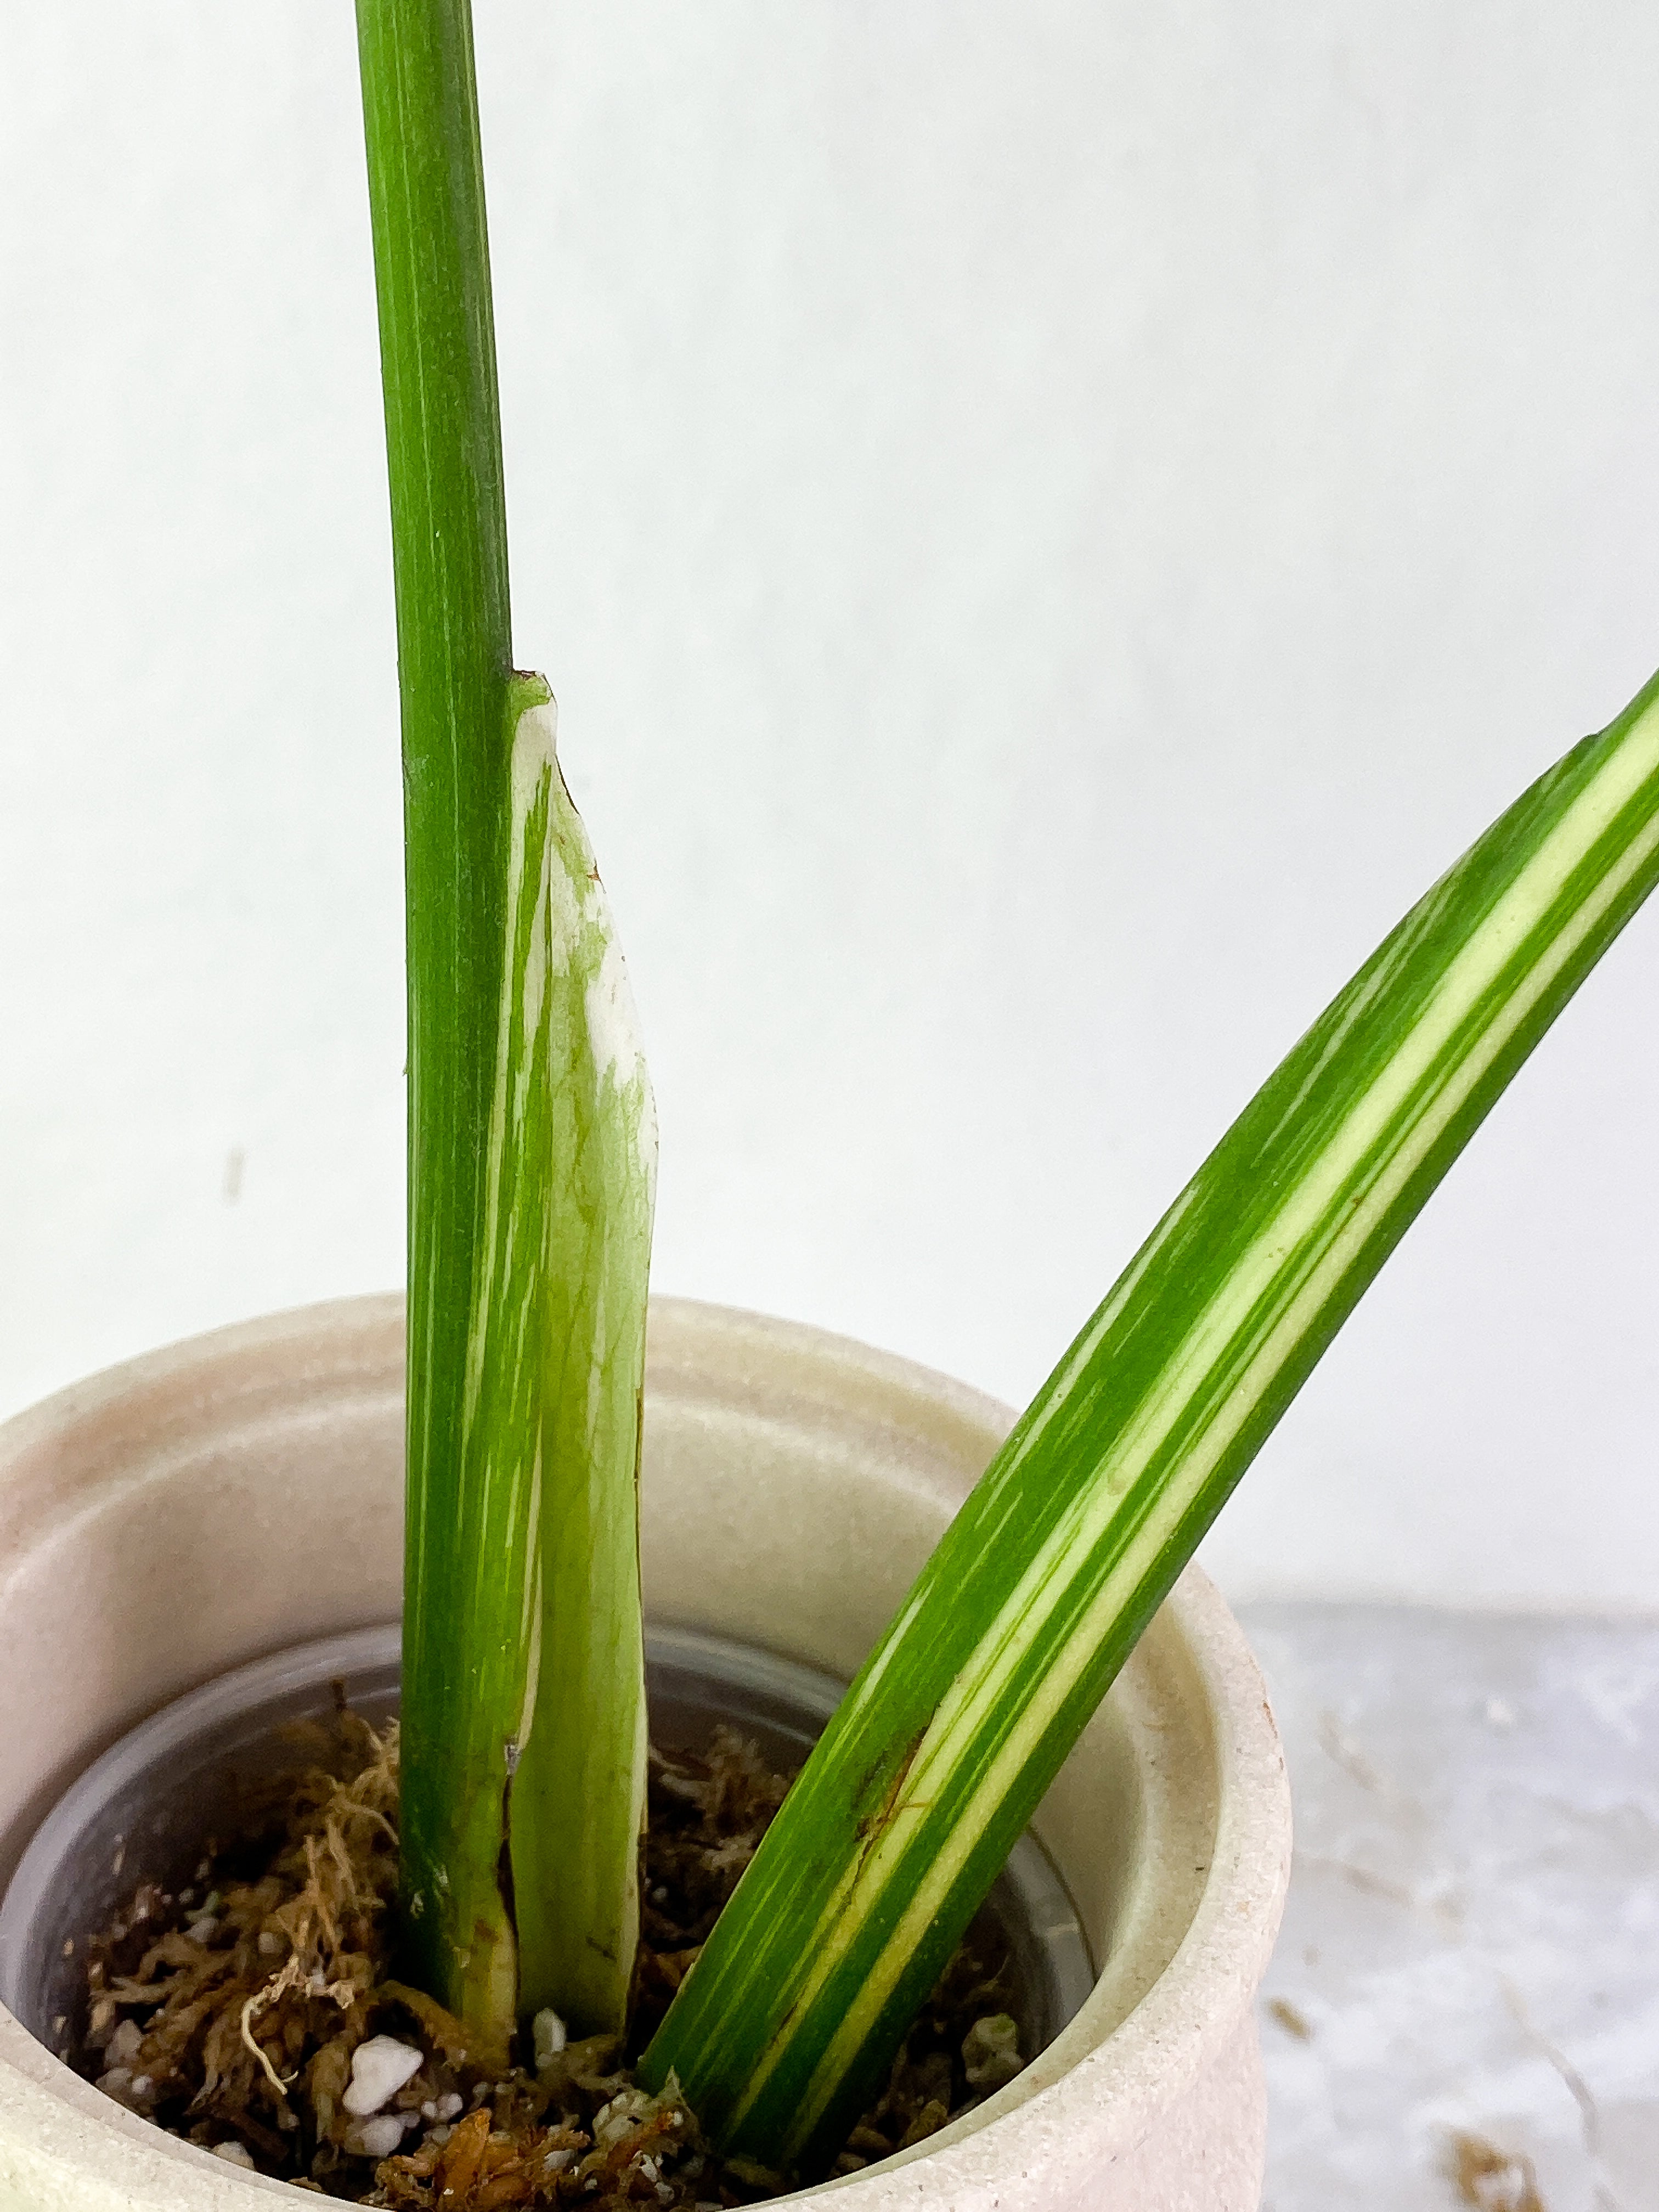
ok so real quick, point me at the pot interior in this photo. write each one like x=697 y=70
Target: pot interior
x=144 y=1810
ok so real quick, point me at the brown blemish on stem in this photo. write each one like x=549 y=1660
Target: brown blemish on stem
x=872 y=1825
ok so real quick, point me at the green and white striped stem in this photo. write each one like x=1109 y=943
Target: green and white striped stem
x=958 y=1721
x=523 y=1703
x=531 y=1151
x=572 y=1253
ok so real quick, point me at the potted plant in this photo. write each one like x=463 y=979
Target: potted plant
x=160 y=1530
x=1019 y=1600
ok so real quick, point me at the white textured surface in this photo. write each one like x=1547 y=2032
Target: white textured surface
x=1472 y=1940
x=1049 y=525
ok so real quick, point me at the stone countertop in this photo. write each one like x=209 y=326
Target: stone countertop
x=1469 y=1965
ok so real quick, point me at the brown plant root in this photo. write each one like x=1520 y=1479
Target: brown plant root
x=255 y=2014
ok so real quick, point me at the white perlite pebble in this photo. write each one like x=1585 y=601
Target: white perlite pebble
x=235 y=2153
x=379 y=2069
x=990 y=2053
x=122 y=2046
x=619 y=2118
x=550 y=2035
x=375 y=2138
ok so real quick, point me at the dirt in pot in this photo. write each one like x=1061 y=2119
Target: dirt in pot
x=254 y=2011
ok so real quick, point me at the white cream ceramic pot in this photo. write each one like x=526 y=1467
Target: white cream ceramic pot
x=175 y=1516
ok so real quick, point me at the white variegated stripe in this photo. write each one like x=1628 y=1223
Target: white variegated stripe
x=502 y=1342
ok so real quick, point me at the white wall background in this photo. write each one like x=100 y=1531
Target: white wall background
x=1049 y=522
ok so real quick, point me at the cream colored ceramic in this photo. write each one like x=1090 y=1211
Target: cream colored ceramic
x=217 y=1500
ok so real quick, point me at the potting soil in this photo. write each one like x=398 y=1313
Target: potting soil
x=256 y=2013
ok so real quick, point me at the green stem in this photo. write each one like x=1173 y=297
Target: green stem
x=454 y=666
x=959 y=1720
x=531 y=1158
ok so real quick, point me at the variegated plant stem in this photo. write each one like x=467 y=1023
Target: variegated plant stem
x=532 y=1152
x=571 y=1043
x=958 y=1721
x=524 y=1705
